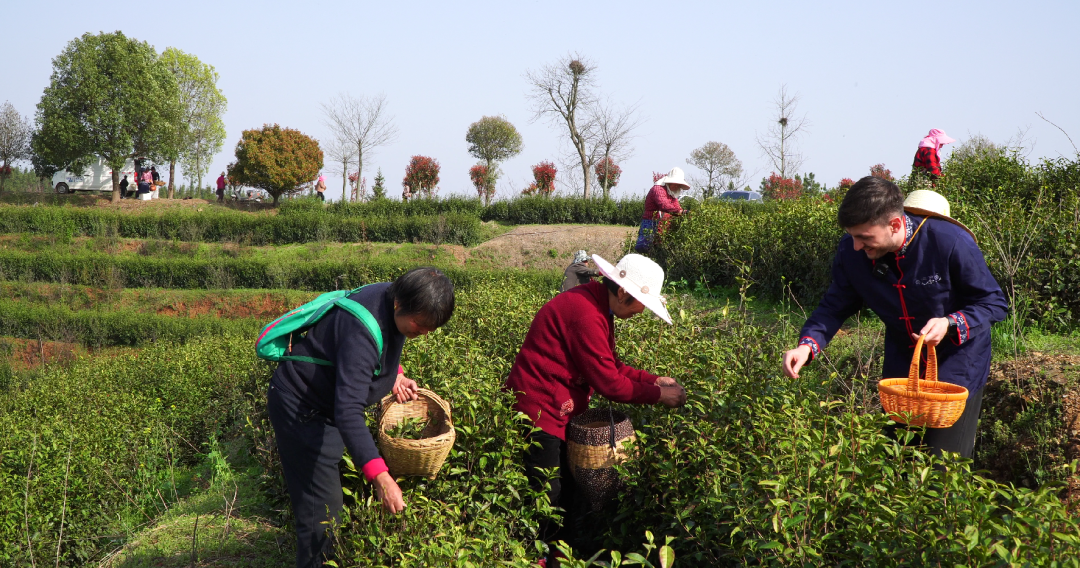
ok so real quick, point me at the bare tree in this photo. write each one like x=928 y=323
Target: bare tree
x=608 y=132
x=778 y=144
x=362 y=121
x=15 y=131
x=563 y=94
x=342 y=153
x=720 y=165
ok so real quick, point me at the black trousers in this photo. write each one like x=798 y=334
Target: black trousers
x=959 y=437
x=563 y=492
x=321 y=196
x=310 y=449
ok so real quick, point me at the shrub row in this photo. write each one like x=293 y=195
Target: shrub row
x=518 y=211
x=98 y=328
x=212 y=226
x=126 y=426
x=106 y=271
x=384 y=207
x=552 y=210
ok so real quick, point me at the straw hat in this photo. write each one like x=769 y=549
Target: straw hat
x=932 y=204
x=675 y=176
x=640 y=277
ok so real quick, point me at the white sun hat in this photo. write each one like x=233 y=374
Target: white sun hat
x=640 y=277
x=674 y=176
x=931 y=204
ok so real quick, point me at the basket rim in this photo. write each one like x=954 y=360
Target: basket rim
x=898 y=387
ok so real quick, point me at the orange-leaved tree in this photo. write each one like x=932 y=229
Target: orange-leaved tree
x=276 y=159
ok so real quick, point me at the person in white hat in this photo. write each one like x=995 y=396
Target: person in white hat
x=660 y=204
x=923 y=274
x=569 y=353
x=578 y=272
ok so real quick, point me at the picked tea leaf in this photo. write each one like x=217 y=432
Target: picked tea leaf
x=411 y=428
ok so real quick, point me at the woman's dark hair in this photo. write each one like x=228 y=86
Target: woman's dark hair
x=614 y=289
x=425 y=292
x=870 y=200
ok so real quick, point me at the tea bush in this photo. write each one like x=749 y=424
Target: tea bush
x=552 y=210
x=211 y=226
x=385 y=207
x=97 y=328
x=108 y=271
x=775 y=245
x=755 y=470
x=102 y=444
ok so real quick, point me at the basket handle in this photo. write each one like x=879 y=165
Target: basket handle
x=931 y=365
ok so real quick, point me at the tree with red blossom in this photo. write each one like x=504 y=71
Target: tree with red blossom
x=607 y=173
x=836 y=194
x=781 y=188
x=544 y=179
x=422 y=176
x=879 y=171
x=483 y=181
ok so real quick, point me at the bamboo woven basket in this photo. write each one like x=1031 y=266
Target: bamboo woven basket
x=928 y=402
x=594 y=445
x=423 y=457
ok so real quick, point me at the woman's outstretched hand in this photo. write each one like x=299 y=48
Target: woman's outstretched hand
x=387 y=490
x=672 y=397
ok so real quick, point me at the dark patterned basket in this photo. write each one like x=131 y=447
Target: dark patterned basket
x=594 y=444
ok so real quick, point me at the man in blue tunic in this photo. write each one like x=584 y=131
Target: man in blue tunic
x=922 y=273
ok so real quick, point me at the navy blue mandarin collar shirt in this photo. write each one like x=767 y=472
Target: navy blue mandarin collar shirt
x=940 y=272
x=341 y=393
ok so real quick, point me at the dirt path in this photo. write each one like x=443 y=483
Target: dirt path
x=550 y=246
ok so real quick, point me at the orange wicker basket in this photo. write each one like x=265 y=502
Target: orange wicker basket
x=923 y=402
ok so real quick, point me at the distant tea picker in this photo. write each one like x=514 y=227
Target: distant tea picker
x=927 y=157
x=661 y=204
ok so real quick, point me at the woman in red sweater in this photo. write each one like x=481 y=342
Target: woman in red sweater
x=569 y=353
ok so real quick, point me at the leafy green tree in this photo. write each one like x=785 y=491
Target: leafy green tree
x=14 y=139
x=276 y=159
x=199 y=134
x=108 y=97
x=493 y=139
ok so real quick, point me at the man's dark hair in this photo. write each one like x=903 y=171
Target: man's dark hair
x=425 y=292
x=870 y=200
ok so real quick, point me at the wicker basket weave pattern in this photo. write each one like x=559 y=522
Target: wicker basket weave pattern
x=930 y=402
x=423 y=457
x=591 y=457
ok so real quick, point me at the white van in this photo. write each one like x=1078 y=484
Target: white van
x=97 y=177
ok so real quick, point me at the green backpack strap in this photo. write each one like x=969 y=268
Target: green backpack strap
x=362 y=314
x=353 y=307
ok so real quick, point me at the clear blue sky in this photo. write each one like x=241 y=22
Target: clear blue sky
x=874 y=77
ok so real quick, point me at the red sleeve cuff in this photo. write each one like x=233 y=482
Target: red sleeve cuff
x=400 y=370
x=373 y=468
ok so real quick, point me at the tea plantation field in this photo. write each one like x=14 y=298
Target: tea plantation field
x=133 y=429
